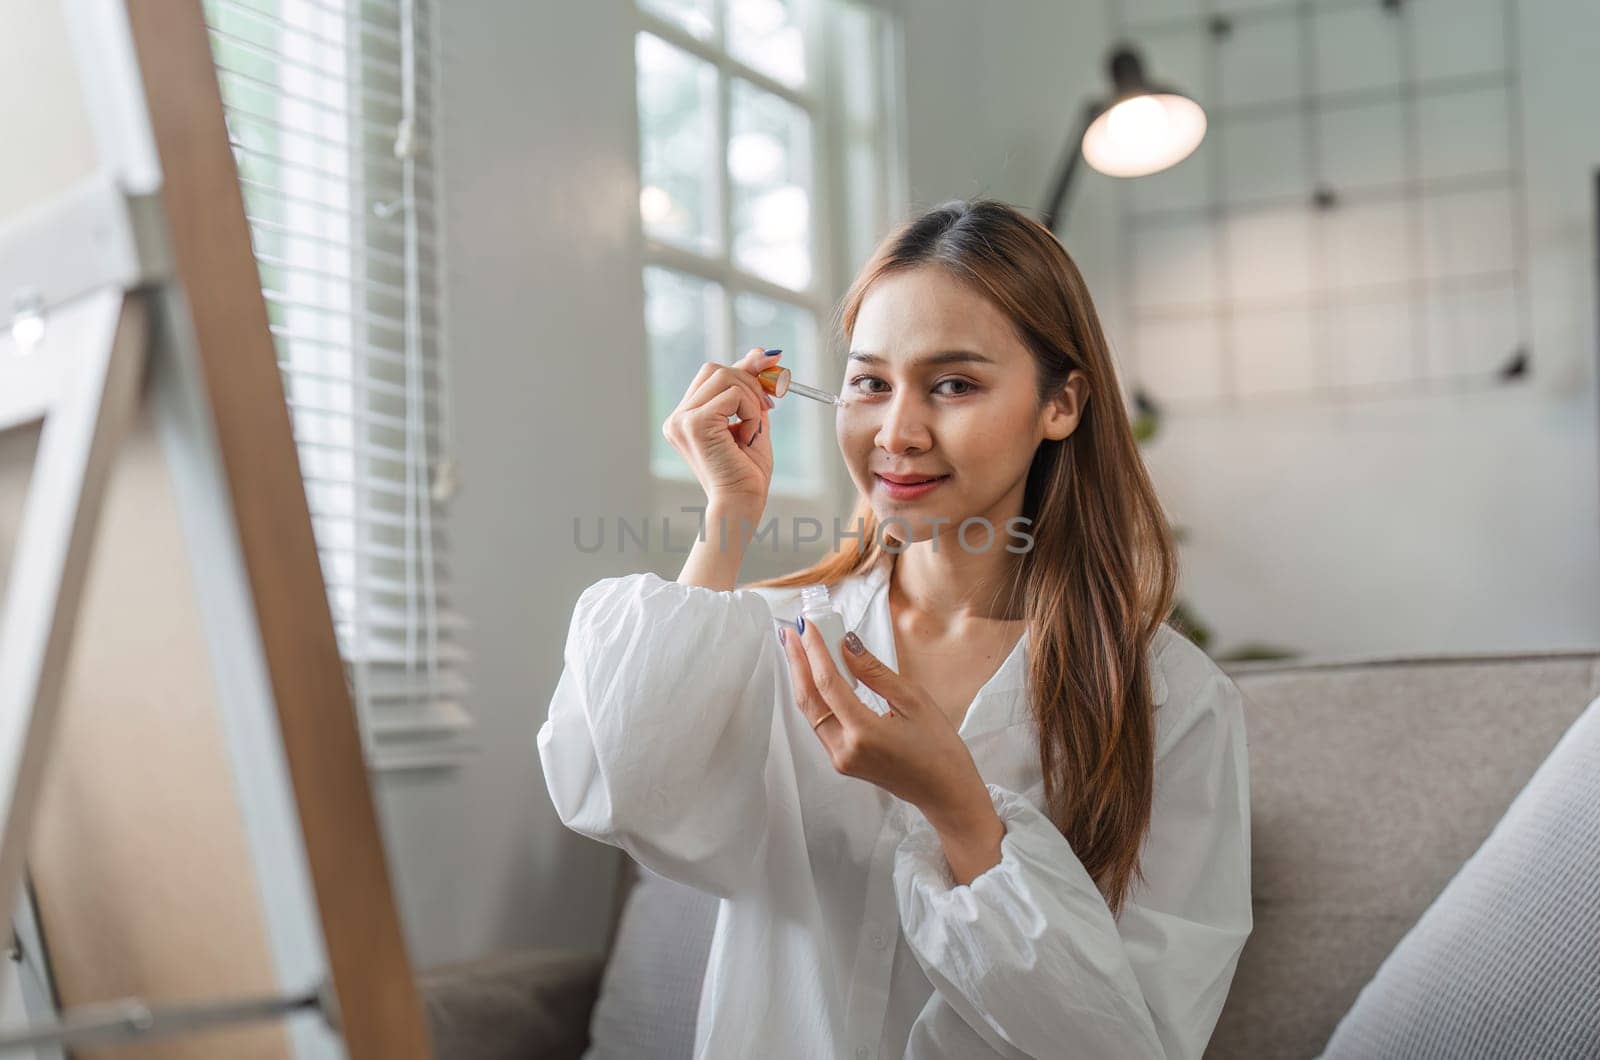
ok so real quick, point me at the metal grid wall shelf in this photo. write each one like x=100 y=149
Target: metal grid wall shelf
x=1354 y=224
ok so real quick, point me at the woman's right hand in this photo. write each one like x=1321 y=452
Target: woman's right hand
x=733 y=462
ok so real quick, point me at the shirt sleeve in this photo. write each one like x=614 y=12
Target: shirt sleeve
x=657 y=735
x=1029 y=954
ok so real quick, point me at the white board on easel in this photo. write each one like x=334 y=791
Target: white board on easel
x=179 y=760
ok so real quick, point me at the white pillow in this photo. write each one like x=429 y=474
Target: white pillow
x=1506 y=961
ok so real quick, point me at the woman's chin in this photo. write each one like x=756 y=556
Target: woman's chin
x=913 y=522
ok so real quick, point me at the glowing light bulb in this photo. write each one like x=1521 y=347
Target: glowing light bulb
x=1144 y=134
x=27 y=321
x=1137 y=121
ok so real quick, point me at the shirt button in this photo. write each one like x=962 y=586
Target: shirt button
x=863 y=1052
x=878 y=940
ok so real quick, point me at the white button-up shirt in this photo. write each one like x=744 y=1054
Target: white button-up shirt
x=673 y=734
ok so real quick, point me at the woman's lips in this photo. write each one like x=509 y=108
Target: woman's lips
x=904 y=492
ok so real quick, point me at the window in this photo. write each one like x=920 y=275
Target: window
x=770 y=162
x=329 y=109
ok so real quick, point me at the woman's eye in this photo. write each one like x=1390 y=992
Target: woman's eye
x=966 y=386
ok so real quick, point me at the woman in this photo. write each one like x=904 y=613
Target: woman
x=1025 y=832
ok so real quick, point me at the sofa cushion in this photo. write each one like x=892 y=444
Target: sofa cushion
x=650 y=994
x=1371 y=782
x=510 y=1006
x=1506 y=962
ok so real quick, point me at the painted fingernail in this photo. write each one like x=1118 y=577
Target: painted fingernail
x=752 y=440
x=853 y=643
x=771 y=353
x=802 y=623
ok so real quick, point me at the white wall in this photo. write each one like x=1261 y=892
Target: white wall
x=1426 y=523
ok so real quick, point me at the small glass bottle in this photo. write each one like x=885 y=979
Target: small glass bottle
x=817 y=610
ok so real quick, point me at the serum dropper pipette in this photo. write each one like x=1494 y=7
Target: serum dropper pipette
x=777 y=382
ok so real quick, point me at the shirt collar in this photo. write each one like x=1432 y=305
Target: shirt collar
x=1001 y=701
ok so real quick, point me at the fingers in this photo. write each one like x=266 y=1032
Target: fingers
x=750 y=430
x=726 y=392
x=725 y=398
x=686 y=402
x=896 y=690
x=830 y=684
x=806 y=696
x=756 y=358
x=753 y=434
x=720 y=377
x=712 y=417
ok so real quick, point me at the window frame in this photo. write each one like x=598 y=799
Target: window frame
x=831 y=255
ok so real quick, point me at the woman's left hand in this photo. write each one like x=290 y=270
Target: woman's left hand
x=912 y=751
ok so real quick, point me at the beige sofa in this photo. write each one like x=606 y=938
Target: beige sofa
x=1372 y=780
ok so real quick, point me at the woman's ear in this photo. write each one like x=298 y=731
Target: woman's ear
x=1064 y=411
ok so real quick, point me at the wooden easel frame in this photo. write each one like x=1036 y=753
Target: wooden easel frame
x=148 y=290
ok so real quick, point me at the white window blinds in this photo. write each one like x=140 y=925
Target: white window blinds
x=329 y=106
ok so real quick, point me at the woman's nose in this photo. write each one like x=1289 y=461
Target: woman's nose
x=904 y=425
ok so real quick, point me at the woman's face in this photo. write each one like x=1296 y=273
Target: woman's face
x=938 y=384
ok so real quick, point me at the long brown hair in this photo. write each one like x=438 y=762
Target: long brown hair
x=1100 y=577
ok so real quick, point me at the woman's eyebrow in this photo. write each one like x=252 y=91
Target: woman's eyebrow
x=943 y=357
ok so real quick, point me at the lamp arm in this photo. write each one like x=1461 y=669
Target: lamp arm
x=1067 y=168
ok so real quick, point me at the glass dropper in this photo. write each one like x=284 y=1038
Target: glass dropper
x=777 y=382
